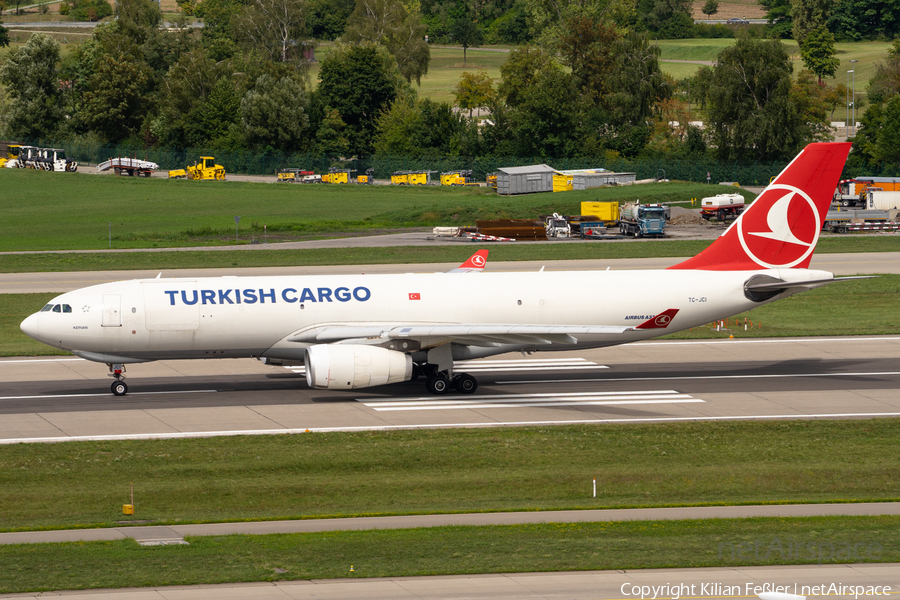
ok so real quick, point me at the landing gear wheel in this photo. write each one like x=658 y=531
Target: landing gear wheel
x=437 y=384
x=119 y=388
x=465 y=384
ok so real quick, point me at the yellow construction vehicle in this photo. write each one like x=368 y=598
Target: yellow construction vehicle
x=292 y=175
x=205 y=169
x=337 y=176
x=458 y=178
x=492 y=180
x=411 y=177
x=368 y=178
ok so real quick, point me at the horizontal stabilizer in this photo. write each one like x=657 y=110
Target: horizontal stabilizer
x=808 y=284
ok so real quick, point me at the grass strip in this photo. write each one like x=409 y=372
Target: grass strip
x=74 y=211
x=189 y=259
x=451 y=551
x=80 y=484
x=861 y=307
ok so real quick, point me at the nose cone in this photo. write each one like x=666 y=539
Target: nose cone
x=30 y=326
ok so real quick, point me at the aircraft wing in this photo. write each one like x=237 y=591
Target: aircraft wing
x=469 y=334
x=481 y=334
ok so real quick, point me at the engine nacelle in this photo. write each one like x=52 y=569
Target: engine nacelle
x=350 y=367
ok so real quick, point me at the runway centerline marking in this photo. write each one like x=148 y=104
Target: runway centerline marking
x=106 y=394
x=696 y=377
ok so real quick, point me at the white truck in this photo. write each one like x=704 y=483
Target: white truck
x=722 y=207
x=880 y=200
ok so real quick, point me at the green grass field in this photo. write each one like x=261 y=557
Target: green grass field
x=66 y=211
x=451 y=550
x=82 y=484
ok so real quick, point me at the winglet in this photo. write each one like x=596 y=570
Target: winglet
x=660 y=321
x=781 y=227
x=475 y=263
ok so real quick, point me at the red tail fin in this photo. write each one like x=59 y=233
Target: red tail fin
x=476 y=262
x=781 y=227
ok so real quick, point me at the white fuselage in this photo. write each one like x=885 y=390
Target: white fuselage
x=230 y=317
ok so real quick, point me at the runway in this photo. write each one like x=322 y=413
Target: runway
x=61 y=399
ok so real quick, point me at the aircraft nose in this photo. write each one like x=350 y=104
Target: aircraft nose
x=30 y=326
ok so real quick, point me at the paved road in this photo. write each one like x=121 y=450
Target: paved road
x=700 y=584
x=21 y=283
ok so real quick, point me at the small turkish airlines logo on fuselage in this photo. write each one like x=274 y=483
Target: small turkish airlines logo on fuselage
x=781 y=228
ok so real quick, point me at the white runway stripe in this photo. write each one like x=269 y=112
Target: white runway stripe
x=532 y=400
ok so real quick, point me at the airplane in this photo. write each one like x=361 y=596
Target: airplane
x=361 y=331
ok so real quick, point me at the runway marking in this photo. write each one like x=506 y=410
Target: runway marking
x=694 y=377
x=106 y=394
x=508 y=366
x=208 y=434
x=770 y=341
x=532 y=400
x=38 y=360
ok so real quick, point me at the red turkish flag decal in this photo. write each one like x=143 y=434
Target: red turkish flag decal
x=415 y=296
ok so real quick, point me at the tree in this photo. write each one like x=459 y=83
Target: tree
x=31 y=77
x=887 y=148
x=474 y=91
x=807 y=16
x=4 y=35
x=818 y=53
x=331 y=137
x=637 y=83
x=359 y=81
x=710 y=8
x=670 y=19
x=273 y=27
x=778 y=14
x=588 y=48
x=387 y=23
x=865 y=19
x=549 y=18
x=116 y=104
x=886 y=81
x=397 y=129
x=521 y=70
x=466 y=33
x=750 y=109
x=274 y=113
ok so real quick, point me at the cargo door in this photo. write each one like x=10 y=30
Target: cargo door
x=112 y=310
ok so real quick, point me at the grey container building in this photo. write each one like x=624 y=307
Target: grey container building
x=524 y=180
x=586 y=181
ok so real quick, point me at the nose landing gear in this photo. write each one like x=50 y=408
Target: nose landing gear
x=118 y=387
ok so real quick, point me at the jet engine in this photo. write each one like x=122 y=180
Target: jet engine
x=350 y=367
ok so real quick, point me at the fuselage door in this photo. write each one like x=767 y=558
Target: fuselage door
x=112 y=310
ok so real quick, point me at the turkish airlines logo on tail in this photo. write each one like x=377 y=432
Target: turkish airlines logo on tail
x=781 y=228
x=478 y=260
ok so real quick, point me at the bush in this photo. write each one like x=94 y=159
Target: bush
x=91 y=10
x=64 y=8
x=703 y=30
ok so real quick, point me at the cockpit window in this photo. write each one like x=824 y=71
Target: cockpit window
x=66 y=308
x=57 y=308
x=46 y=308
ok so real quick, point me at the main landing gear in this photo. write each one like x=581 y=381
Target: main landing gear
x=118 y=387
x=441 y=382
